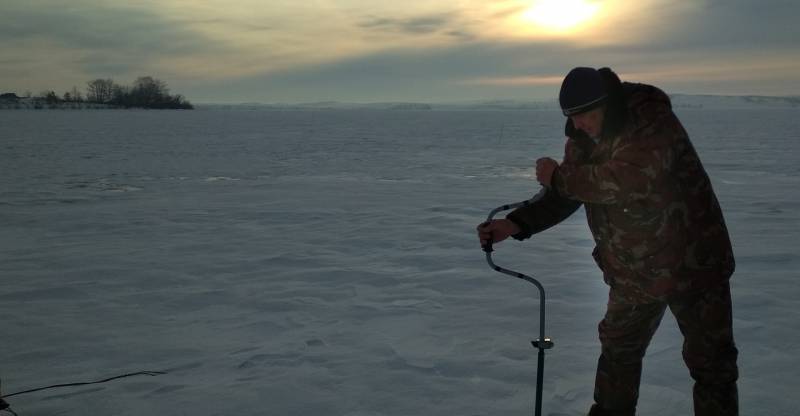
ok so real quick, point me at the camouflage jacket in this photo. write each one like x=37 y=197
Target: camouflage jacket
x=655 y=219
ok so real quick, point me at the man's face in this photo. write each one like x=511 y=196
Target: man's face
x=590 y=122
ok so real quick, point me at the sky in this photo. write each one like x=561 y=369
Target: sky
x=270 y=51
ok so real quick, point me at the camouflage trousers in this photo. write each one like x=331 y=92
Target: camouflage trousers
x=709 y=351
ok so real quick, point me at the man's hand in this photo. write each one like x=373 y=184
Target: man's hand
x=496 y=231
x=544 y=170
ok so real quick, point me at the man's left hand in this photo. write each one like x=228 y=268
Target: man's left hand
x=544 y=170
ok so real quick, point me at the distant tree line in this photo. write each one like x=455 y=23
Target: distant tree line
x=146 y=92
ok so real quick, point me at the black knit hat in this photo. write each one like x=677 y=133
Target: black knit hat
x=582 y=90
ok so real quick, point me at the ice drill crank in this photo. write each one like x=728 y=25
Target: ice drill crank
x=542 y=343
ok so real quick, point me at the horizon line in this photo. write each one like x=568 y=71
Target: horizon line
x=476 y=101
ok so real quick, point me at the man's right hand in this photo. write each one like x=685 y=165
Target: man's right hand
x=496 y=231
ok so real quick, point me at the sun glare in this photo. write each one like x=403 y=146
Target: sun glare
x=560 y=15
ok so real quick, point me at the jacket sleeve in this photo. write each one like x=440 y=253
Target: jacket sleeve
x=550 y=210
x=553 y=207
x=637 y=167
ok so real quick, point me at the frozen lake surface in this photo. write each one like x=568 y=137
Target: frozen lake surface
x=326 y=263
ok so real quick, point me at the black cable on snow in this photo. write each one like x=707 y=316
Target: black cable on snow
x=138 y=373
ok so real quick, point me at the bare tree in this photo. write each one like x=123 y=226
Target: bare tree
x=76 y=94
x=49 y=96
x=120 y=95
x=146 y=92
x=94 y=90
x=100 y=90
x=149 y=91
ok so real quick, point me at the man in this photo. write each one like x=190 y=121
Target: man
x=661 y=241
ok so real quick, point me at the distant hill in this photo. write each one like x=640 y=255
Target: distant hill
x=322 y=105
x=723 y=102
x=710 y=102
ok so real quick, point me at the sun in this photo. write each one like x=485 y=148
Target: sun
x=560 y=16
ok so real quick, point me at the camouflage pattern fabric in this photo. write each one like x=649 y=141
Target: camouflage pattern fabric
x=655 y=219
x=709 y=351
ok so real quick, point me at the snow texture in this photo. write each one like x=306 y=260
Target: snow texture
x=326 y=263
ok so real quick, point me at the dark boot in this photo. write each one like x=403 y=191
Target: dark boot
x=3 y=404
x=598 y=411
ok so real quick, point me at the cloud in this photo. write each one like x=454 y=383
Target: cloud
x=225 y=24
x=85 y=25
x=449 y=24
x=522 y=80
x=710 y=25
x=251 y=50
x=414 y=25
x=82 y=40
x=744 y=22
x=532 y=70
x=446 y=73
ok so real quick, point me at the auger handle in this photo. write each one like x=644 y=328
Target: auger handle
x=543 y=343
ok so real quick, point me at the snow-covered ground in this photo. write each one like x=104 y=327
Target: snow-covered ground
x=325 y=263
